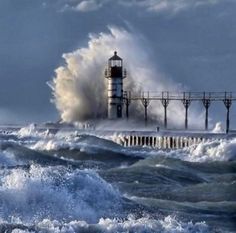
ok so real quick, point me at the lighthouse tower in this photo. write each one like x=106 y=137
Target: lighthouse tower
x=115 y=76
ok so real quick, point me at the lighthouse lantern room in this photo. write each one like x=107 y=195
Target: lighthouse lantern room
x=115 y=75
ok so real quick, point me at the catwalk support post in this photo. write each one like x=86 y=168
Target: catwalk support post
x=145 y=101
x=186 y=102
x=206 y=102
x=165 y=102
x=227 y=103
x=127 y=101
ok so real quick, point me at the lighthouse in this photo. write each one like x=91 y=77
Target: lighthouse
x=115 y=75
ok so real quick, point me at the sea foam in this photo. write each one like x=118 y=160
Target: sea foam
x=56 y=192
x=168 y=224
x=214 y=150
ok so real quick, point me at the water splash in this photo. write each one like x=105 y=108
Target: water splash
x=79 y=86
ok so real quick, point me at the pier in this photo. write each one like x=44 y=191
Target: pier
x=207 y=98
x=166 y=140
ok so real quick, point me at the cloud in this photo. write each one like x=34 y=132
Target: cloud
x=172 y=6
x=88 y=5
x=85 y=5
x=168 y=5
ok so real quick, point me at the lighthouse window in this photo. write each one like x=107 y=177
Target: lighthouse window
x=116 y=63
x=119 y=89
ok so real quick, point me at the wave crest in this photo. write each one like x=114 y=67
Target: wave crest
x=168 y=224
x=56 y=192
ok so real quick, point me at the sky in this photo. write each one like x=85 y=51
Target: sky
x=190 y=42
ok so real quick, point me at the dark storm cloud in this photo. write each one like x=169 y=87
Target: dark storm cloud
x=191 y=42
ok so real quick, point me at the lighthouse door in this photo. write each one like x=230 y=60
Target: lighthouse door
x=119 y=111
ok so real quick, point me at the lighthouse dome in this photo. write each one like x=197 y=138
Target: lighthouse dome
x=115 y=57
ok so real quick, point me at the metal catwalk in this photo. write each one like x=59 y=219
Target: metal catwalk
x=185 y=97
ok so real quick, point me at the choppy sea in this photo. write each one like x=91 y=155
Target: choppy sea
x=72 y=182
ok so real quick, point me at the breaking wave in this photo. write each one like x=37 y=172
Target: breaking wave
x=31 y=131
x=60 y=199
x=90 y=142
x=214 y=150
x=106 y=225
x=56 y=192
x=218 y=150
x=136 y=189
x=83 y=73
x=8 y=159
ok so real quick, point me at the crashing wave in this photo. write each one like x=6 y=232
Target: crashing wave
x=56 y=192
x=31 y=137
x=31 y=131
x=218 y=150
x=8 y=159
x=168 y=224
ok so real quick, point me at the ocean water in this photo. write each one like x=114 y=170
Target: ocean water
x=71 y=182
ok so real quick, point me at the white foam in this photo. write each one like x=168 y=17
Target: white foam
x=168 y=224
x=83 y=70
x=218 y=128
x=217 y=150
x=214 y=150
x=57 y=193
x=8 y=159
x=84 y=143
x=31 y=131
x=145 y=224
